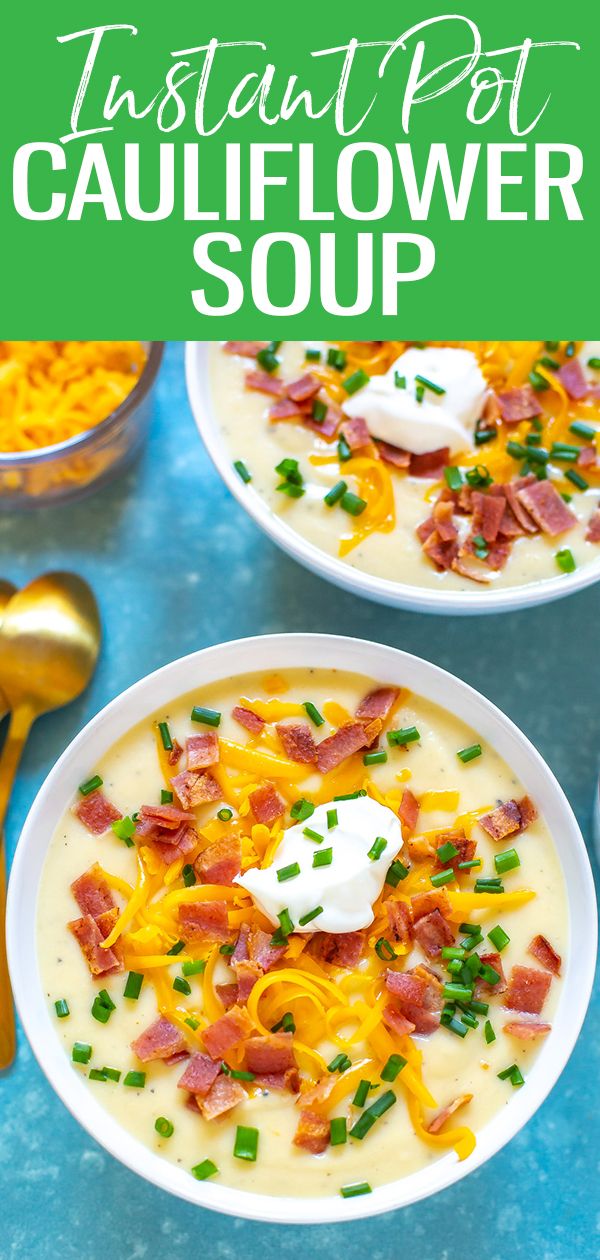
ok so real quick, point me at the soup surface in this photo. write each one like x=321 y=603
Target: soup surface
x=190 y=982
x=473 y=480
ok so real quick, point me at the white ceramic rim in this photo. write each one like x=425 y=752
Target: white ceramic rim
x=382 y=590
x=280 y=652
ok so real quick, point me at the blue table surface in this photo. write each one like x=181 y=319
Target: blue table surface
x=177 y=565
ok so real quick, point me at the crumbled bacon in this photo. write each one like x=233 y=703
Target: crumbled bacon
x=307 y=387
x=162 y=1040
x=588 y=457
x=393 y=455
x=520 y=403
x=527 y=1030
x=592 y=533
x=298 y=742
x=572 y=377
x=548 y=509
x=341 y=949
x=89 y=934
x=273 y=1052
x=348 y=739
x=248 y=349
x=289 y=1080
x=174 y=845
x=406 y=986
x=264 y=383
x=194 y=789
x=544 y=953
x=155 y=818
x=227 y=1032
x=266 y=804
x=222 y=1097
x=377 y=704
x=262 y=952
x=247 y=974
x=285 y=409
x=312 y=1133
x=200 y=1073
x=247 y=718
x=439 y=1120
x=431 y=464
x=400 y=921
x=204 y=921
x=408 y=812
x=355 y=432
x=503 y=821
x=433 y=932
x=424 y=903
x=221 y=861
x=488 y=511
x=527 y=989
x=399 y=1023
x=483 y=987
x=91 y=892
x=96 y=812
x=202 y=750
x=228 y=993
x=466 y=849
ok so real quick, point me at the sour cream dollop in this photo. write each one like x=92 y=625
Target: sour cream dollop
x=394 y=415
x=347 y=888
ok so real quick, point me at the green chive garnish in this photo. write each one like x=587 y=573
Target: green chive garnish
x=165 y=736
x=133 y=985
x=319 y=410
x=435 y=389
x=286 y=1023
x=97 y=1074
x=406 y=735
x=399 y=381
x=336 y=493
x=313 y=713
x=208 y=717
x=181 y=986
x=488 y=1032
x=313 y=835
x=384 y=950
x=355 y=382
x=470 y=753
x=362 y=1093
x=62 y=1008
x=312 y=355
x=352 y=503
x=479 y=476
x=344 y=452
x=288 y=872
x=376 y=758
x=81 y=1052
x=246 y=1143
x=373 y=1113
x=336 y=358
x=164 y=1127
x=442 y=877
x=136 y=1079
x=359 y=1187
x=176 y=948
x=577 y=479
x=447 y=851
x=312 y=914
x=322 y=857
x=225 y=814
x=242 y=471
x=393 y=1067
x=453 y=477
x=204 y=1170
x=124 y=829
x=285 y=922
x=457 y=992
x=340 y=1063
x=192 y=1023
x=379 y=844
x=90 y=785
x=166 y=797
x=194 y=968
x=102 y=1007
x=351 y=796
x=189 y=875
x=512 y=1074
x=499 y=938
x=337 y=1131
x=566 y=560
x=111 y=1074
x=332 y=818
x=507 y=861
x=396 y=872
x=302 y=809
x=268 y=359
x=582 y=430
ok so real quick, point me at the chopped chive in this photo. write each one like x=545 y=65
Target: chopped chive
x=192 y=1023
x=552 y=345
x=455 y=1026
x=489 y=974
x=393 y=1067
x=285 y=922
x=352 y=503
x=194 y=968
x=97 y=1074
x=165 y=736
x=488 y=1032
x=469 y=1020
x=594 y=364
x=499 y=938
x=376 y=758
x=81 y=1052
x=165 y=1128
x=533 y=439
x=337 y=1131
x=313 y=713
x=292 y=489
x=473 y=967
x=322 y=857
x=372 y=1113
x=340 y=1063
x=188 y=875
x=453 y=477
x=471 y=942
x=61 y=1007
x=507 y=861
x=485 y=435
x=470 y=753
x=226 y=949
x=204 y=1170
x=302 y=809
x=182 y=986
x=577 y=479
x=176 y=948
x=406 y=735
x=268 y=360
x=355 y=382
x=124 y=828
x=512 y=1074
x=480 y=1008
x=362 y=1093
x=225 y=814
x=319 y=410
x=384 y=950
x=447 y=851
x=312 y=914
x=453 y=951
x=336 y=358
x=379 y=844
x=332 y=818
x=133 y=985
x=479 y=476
x=457 y=992
x=90 y=785
x=313 y=835
x=396 y=873
x=246 y=1143
x=442 y=877
x=487 y=886
x=102 y=1007
x=358 y=1187
x=312 y=355
x=286 y=1022
x=467 y=866
x=136 y=1079
x=242 y=471
x=288 y=872
x=166 y=797
x=111 y=1074
x=435 y=389
x=582 y=430
x=566 y=560
x=344 y=452
x=471 y=929
x=208 y=717
x=564 y=452
x=351 y=796
x=538 y=381
x=399 y=381
x=547 y=362
x=337 y=492
x=455 y=967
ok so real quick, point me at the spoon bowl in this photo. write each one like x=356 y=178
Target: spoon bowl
x=7 y=590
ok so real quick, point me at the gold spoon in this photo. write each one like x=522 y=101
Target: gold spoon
x=7 y=590
x=49 y=643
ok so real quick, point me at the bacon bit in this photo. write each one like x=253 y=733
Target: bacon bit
x=312 y=1133
x=466 y=849
x=305 y=388
x=263 y=383
x=593 y=530
x=174 y=754
x=347 y=740
x=196 y=789
x=200 y=1073
x=161 y=817
x=173 y=846
x=229 y=994
x=328 y=427
x=442 y=554
x=492 y=411
x=377 y=704
x=400 y=1024
x=544 y=953
x=91 y=892
x=409 y=810
x=482 y=987
x=424 y=903
x=297 y=740
x=173 y=1059
x=271 y=1053
x=407 y=986
x=548 y=510
x=202 y=750
x=442 y=517
x=512 y=490
x=588 y=457
x=249 y=349
x=285 y=409
x=439 y=1120
x=247 y=973
x=527 y=811
x=433 y=932
x=520 y=403
x=393 y=455
x=96 y=812
x=431 y=464
x=266 y=804
x=289 y=1080
x=470 y=566
x=400 y=921
x=572 y=377
x=261 y=952
x=247 y=718
x=222 y=1097
x=161 y=1040
x=221 y=861
x=420 y=849
x=89 y=934
x=503 y=821
x=488 y=511
x=227 y=1032
x=204 y=920
x=240 y=953
x=356 y=433
x=527 y=1030
x=527 y=989
x=342 y=949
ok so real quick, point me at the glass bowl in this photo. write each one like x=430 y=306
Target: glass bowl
x=68 y=470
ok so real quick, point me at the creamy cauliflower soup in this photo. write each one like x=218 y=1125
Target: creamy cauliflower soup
x=302 y=933
x=462 y=465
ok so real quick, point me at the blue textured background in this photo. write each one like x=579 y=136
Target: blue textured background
x=177 y=565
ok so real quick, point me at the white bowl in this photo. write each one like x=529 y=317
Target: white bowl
x=384 y=591
x=281 y=652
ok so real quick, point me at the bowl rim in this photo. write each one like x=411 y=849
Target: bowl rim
x=239 y=657
x=333 y=569
x=79 y=441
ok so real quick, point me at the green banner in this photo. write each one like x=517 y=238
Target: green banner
x=404 y=171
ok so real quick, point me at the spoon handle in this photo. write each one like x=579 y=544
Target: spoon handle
x=20 y=725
